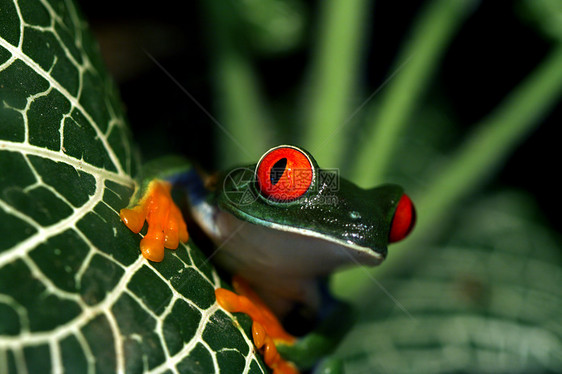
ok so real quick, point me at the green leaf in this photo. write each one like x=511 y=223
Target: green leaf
x=544 y=15
x=476 y=303
x=75 y=293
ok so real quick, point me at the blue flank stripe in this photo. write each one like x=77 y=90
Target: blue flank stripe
x=193 y=185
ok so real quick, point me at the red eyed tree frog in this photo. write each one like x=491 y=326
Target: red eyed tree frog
x=281 y=227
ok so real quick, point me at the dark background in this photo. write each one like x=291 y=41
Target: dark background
x=493 y=51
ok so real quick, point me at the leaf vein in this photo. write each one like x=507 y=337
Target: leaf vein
x=73 y=100
x=28 y=149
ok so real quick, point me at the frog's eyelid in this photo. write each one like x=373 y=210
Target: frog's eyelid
x=403 y=220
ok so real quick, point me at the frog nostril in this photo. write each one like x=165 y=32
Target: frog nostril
x=354 y=214
x=403 y=220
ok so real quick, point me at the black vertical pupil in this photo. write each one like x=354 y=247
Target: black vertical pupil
x=277 y=170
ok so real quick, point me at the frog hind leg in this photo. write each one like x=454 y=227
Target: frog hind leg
x=330 y=366
x=266 y=328
x=166 y=226
x=314 y=350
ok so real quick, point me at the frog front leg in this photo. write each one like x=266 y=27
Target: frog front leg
x=152 y=202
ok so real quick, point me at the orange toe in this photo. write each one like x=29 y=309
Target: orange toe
x=258 y=334
x=152 y=248
x=133 y=218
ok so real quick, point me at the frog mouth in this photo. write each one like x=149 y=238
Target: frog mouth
x=356 y=253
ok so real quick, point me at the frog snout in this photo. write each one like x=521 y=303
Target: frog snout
x=403 y=220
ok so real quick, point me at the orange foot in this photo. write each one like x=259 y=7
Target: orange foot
x=266 y=328
x=166 y=227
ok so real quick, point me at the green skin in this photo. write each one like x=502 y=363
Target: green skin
x=287 y=250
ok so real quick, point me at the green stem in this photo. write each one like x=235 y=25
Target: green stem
x=242 y=111
x=416 y=63
x=333 y=72
x=493 y=141
x=475 y=161
x=243 y=116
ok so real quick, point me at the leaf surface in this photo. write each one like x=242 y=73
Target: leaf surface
x=75 y=294
x=488 y=300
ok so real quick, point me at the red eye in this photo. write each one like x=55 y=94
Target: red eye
x=284 y=173
x=403 y=220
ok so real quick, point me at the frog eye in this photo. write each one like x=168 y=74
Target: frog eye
x=403 y=220
x=284 y=173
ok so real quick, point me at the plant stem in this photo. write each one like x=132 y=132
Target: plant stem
x=243 y=116
x=493 y=141
x=242 y=110
x=490 y=144
x=416 y=63
x=333 y=73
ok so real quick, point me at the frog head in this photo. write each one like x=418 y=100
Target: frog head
x=287 y=191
